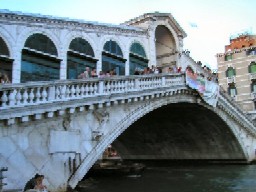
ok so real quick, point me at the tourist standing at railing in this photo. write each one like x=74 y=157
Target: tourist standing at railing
x=93 y=73
x=4 y=78
x=85 y=74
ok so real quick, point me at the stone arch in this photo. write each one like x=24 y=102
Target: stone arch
x=73 y=35
x=9 y=41
x=113 y=62
x=6 y=61
x=141 y=44
x=128 y=120
x=39 y=59
x=43 y=38
x=172 y=31
x=25 y=34
x=137 y=61
x=79 y=57
x=112 y=38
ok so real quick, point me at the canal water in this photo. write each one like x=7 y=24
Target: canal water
x=177 y=178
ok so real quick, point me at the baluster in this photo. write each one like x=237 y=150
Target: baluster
x=38 y=95
x=72 y=91
x=95 y=88
x=57 y=92
x=18 y=97
x=82 y=90
x=4 y=99
x=67 y=94
x=25 y=97
x=142 y=84
x=78 y=90
x=91 y=89
x=105 y=87
x=112 y=87
x=117 y=86
x=108 y=87
x=121 y=86
x=87 y=89
x=62 y=92
x=44 y=95
x=12 y=98
x=31 y=96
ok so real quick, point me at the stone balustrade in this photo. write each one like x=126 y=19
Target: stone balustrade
x=38 y=93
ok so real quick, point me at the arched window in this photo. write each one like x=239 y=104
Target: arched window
x=252 y=67
x=112 y=58
x=228 y=57
x=39 y=59
x=5 y=60
x=80 y=56
x=113 y=48
x=230 y=72
x=137 y=58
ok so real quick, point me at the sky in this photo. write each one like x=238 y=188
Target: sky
x=209 y=24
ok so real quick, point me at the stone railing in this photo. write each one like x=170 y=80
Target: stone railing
x=36 y=93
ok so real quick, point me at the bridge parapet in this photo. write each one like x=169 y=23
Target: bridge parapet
x=226 y=103
x=41 y=97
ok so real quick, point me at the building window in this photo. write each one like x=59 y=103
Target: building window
x=252 y=67
x=80 y=56
x=39 y=60
x=251 y=51
x=230 y=72
x=228 y=57
x=253 y=86
x=112 y=58
x=137 y=58
x=232 y=90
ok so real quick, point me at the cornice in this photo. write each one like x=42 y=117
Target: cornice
x=158 y=16
x=18 y=18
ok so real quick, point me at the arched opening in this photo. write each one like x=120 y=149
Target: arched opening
x=5 y=60
x=230 y=72
x=39 y=59
x=252 y=67
x=165 y=47
x=112 y=58
x=137 y=58
x=80 y=55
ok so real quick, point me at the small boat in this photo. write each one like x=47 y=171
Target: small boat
x=116 y=167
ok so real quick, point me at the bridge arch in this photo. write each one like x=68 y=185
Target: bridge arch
x=142 y=109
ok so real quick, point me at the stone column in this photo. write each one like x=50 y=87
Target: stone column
x=63 y=65
x=16 y=71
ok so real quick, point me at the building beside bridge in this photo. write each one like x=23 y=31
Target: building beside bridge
x=237 y=70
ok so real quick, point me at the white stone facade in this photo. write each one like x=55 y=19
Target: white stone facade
x=16 y=27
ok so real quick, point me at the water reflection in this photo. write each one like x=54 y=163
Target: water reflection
x=207 y=178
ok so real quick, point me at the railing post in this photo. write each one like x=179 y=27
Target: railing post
x=101 y=87
x=163 y=81
x=137 y=84
x=51 y=93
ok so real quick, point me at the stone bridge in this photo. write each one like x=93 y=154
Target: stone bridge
x=61 y=128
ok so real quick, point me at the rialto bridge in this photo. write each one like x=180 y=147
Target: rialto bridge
x=59 y=128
